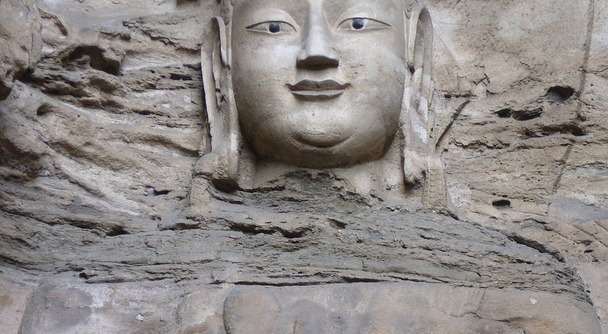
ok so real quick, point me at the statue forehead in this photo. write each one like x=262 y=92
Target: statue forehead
x=345 y=3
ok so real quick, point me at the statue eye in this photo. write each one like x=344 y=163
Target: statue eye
x=358 y=23
x=272 y=27
x=362 y=23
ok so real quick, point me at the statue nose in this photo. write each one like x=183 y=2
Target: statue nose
x=317 y=51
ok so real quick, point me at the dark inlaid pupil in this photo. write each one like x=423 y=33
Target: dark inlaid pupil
x=358 y=23
x=274 y=27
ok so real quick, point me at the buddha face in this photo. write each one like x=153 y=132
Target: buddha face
x=318 y=83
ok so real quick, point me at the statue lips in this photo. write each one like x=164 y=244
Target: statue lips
x=318 y=90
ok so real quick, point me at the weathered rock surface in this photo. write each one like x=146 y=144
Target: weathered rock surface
x=101 y=121
x=20 y=25
x=346 y=308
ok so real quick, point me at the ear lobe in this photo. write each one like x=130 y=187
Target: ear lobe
x=220 y=165
x=420 y=162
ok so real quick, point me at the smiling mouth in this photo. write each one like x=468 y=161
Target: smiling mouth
x=316 y=90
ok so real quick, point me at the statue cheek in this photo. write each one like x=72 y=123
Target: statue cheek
x=366 y=46
x=258 y=54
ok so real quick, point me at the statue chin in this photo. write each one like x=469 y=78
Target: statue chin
x=321 y=139
x=326 y=144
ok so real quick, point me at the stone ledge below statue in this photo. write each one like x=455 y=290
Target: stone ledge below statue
x=289 y=248
x=366 y=308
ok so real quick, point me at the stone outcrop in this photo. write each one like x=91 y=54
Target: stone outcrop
x=20 y=25
x=102 y=123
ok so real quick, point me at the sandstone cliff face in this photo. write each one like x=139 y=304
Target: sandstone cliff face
x=102 y=122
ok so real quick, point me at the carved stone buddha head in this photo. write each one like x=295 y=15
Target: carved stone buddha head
x=321 y=84
x=318 y=83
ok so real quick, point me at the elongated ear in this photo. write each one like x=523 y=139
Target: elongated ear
x=421 y=164
x=420 y=63
x=220 y=160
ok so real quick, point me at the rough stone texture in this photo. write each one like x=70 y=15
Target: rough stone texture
x=596 y=277
x=101 y=121
x=15 y=292
x=383 y=308
x=20 y=25
x=354 y=308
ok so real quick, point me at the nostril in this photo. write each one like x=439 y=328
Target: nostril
x=317 y=61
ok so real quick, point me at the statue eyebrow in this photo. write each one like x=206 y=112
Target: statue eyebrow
x=267 y=15
x=367 y=13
